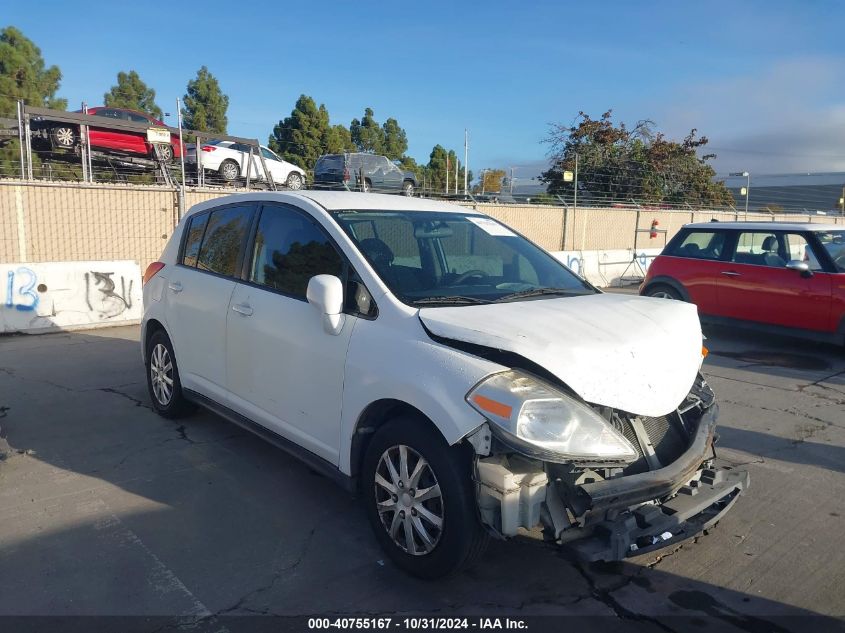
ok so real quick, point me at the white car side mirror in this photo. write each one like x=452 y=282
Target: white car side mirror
x=325 y=292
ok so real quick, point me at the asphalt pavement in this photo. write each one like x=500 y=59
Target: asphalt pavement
x=108 y=509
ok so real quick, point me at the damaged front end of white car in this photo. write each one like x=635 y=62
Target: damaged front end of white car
x=602 y=483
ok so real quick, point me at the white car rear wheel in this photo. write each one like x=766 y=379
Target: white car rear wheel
x=229 y=170
x=294 y=181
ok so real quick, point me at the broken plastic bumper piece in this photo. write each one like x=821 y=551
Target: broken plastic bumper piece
x=696 y=507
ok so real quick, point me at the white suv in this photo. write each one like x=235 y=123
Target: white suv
x=459 y=378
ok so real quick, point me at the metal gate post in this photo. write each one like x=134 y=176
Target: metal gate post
x=83 y=150
x=28 y=139
x=88 y=146
x=20 y=138
x=200 y=170
x=271 y=184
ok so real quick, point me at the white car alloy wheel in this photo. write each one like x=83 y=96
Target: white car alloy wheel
x=161 y=374
x=408 y=500
x=229 y=170
x=294 y=181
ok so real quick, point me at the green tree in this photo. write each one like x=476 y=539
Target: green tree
x=23 y=75
x=306 y=135
x=205 y=104
x=132 y=93
x=337 y=140
x=395 y=140
x=491 y=181
x=440 y=161
x=367 y=134
x=616 y=163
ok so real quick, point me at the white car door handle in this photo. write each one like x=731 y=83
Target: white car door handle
x=243 y=308
x=175 y=286
x=731 y=273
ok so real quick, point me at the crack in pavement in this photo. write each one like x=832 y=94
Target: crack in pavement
x=788 y=411
x=605 y=596
x=239 y=605
x=113 y=390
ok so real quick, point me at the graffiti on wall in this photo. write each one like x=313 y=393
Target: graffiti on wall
x=64 y=294
x=20 y=289
x=111 y=303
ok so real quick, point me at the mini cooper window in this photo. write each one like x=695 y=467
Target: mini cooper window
x=700 y=245
x=834 y=243
x=760 y=248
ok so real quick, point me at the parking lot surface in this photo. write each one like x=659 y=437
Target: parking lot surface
x=108 y=509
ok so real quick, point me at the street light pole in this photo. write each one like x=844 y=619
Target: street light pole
x=466 y=160
x=747 y=190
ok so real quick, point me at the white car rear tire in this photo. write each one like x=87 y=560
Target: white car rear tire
x=294 y=181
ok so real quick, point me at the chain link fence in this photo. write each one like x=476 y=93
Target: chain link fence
x=43 y=221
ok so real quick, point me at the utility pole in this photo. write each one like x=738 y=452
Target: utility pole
x=466 y=160
x=511 y=183
x=447 y=174
x=575 y=200
x=457 y=166
x=182 y=158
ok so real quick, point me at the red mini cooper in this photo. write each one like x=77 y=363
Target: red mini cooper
x=786 y=277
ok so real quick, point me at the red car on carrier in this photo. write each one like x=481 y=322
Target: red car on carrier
x=66 y=135
x=788 y=278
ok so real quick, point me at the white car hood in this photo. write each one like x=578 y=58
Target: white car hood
x=637 y=354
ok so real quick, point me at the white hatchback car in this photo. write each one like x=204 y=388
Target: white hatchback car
x=459 y=378
x=232 y=162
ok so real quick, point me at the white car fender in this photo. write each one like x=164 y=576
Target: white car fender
x=397 y=360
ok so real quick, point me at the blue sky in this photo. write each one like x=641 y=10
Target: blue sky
x=765 y=81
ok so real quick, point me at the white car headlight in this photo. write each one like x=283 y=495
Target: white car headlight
x=535 y=418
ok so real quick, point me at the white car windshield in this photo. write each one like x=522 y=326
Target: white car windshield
x=834 y=243
x=435 y=258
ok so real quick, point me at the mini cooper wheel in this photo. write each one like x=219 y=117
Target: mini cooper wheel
x=163 y=378
x=420 y=499
x=664 y=292
x=408 y=188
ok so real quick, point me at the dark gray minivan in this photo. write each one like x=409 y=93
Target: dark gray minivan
x=362 y=172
